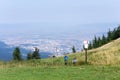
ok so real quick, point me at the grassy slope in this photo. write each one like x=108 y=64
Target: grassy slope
x=108 y=54
x=104 y=66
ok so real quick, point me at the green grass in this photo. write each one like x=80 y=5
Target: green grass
x=86 y=72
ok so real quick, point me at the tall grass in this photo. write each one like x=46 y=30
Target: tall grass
x=108 y=54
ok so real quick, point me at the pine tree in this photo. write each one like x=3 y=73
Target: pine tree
x=99 y=42
x=29 y=56
x=104 y=40
x=73 y=49
x=95 y=44
x=17 y=54
x=117 y=33
x=114 y=34
x=35 y=54
x=90 y=46
x=109 y=36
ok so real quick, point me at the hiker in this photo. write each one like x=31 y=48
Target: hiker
x=74 y=61
x=66 y=59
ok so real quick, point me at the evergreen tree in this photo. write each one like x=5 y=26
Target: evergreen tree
x=35 y=54
x=29 y=56
x=90 y=46
x=17 y=54
x=117 y=33
x=104 y=40
x=73 y=49
x=99 y=42
x=109 y=36
x=114 y=34
x=95 y=44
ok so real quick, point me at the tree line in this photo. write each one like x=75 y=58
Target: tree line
x=17 y=56
x=100 y=41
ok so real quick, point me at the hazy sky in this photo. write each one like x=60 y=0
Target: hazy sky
x=56 y=14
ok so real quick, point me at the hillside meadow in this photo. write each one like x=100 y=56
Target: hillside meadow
x=103 y=64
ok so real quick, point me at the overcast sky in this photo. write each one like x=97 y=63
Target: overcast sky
x=57 y=14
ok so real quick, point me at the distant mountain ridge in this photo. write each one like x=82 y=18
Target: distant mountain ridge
x=5 y=51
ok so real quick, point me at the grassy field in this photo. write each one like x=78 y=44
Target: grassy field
x=87 y=72
x=103 y=64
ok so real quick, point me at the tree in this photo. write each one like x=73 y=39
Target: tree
x=99 y=42
x=90 y=46
x=73 y=49
x=35 y=54
x=17 y=54
x=109 y=36
x=104 y=40
x=95 y=43
x=114 y=34
x=117 y=33
x=29 y=56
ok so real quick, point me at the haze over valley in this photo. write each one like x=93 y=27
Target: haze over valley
x=54 y=26
x=50 y=42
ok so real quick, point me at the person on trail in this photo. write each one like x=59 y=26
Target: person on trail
x=66 y=59
x=74 y=61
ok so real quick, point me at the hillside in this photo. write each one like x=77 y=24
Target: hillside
x=108 y=54
x=54 y=68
